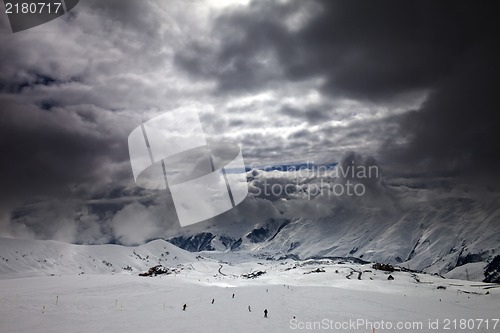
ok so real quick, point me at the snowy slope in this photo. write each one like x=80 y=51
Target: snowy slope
x=20 y=258
x=435 y=239
x=296 y=293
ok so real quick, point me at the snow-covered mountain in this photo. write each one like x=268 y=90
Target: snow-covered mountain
x=20 y=258
x=418 y=227
x=43 y=289
x=452 y=233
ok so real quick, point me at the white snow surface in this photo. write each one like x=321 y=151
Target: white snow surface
x=42 y=289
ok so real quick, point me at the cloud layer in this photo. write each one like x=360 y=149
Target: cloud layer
x=412 y=84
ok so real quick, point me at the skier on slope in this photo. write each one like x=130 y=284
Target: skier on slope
x=184 y=307
x=265 y=313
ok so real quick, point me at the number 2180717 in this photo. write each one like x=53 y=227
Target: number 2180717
x=32 y=8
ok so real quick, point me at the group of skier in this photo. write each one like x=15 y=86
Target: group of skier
x=213 y=301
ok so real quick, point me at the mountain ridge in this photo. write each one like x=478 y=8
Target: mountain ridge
x=432 y=236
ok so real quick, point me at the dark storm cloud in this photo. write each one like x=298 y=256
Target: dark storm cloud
x=379 y=51
x=244 y=57
x=45 y=151
x=455 y=133
x=141 y=17
x=362 y=49
x=293 y=80
x=70 y=93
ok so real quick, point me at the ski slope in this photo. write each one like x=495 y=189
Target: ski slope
x=56 y=297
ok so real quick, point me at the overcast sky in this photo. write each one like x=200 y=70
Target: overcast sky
x=412 y=84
